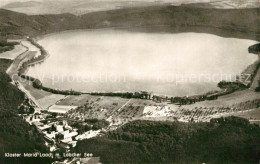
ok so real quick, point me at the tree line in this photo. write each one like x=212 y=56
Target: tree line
x=36 y=82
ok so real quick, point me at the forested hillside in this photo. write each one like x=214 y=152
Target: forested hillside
x=223 y=140
x=241 y=23
x=16 y=135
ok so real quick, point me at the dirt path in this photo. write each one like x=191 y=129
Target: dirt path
x=124 y=105
x=13 y=73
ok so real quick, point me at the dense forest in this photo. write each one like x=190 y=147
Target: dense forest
x=89 y=124
x=16 y=135
x=239 y=23
x=257 y=89
x=222 y=140
x=4 y=64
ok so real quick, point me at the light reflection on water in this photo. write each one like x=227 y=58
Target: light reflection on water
x=113 y=60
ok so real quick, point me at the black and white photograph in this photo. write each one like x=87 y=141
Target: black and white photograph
x=129 y=81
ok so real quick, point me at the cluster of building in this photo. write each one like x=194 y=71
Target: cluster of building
x=58 y=134
x=55 y=129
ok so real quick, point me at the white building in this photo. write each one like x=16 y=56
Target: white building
x=59 y=128
x=68 y=134
x=51 y=135
x=44 y=127
x=61 y=109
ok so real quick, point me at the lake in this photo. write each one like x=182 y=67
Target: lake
x=115 y=60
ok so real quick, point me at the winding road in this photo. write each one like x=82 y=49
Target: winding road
x=12 y=71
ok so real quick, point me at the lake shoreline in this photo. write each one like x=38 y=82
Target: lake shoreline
x=68 y=31
x=241 y=35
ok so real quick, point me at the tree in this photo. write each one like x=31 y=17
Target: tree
x=31 y=110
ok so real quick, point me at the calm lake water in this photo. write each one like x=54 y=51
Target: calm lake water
x=113 y=60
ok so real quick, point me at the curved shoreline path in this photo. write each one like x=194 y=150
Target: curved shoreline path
x=39 y=104
x=14 y=67
x=40 y=98
x=24 y=56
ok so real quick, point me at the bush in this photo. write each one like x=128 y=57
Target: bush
x=255 y=49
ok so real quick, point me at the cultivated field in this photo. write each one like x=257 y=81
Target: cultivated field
x=36 y=93
x=48 y=101
x=120 y=110
x=18 y=49
x=93 y=106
